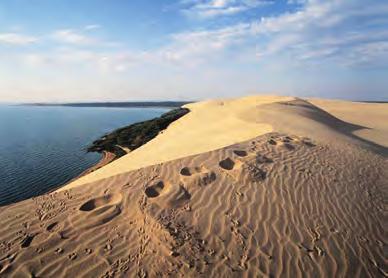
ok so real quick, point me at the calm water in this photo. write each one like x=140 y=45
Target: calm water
x=43 y=147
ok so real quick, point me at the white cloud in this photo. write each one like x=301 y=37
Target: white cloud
x=92 y=27
x=296 y=2
x=16 y=39
x=214 y=8
x=369 y=54
x=84 y=36
x=338 y=32
x=92 y=60
x=73 y=37
x=58 y=58
x=197 y=47
x=319 y=30
x=186 y=49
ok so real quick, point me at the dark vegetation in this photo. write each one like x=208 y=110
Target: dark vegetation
x=135 y=135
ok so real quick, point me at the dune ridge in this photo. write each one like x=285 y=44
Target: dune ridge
x=219 y=123
x=210 y=125
x=307 y=199
x=276 y=205
x=372 y=116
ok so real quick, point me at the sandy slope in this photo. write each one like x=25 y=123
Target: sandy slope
x=306 y=200
x=372 y=116
x=219 y=123
x=210 y=125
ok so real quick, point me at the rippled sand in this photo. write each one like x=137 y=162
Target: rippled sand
x=305 y=199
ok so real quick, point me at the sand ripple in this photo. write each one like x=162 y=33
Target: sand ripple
x=278 y=205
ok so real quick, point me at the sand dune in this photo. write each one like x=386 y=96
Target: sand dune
x=372 y=116
x=306 y=199
x=209 y=126
x=220 y=123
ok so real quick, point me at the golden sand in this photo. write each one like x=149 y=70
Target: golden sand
x=210 y=125
x=296 y=192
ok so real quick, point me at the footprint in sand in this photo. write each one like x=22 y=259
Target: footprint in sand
x=229 y=164
x=168 y=195
x=262 y=159
x=51 y=227
x=240 y=153
x=233 y=168
x=72 y=256
x=272 y=142
x=247 y=157
x=198 y=175
x=285 y=142
x=256 y=174
x=187 y=171
x=287 y=139
x=154 y=190
x=26 y=242
x=93 y=213
x=106 y=200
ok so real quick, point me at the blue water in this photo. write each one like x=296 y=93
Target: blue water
x=44 y=147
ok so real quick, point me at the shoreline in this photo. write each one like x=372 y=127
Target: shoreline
x=133 y=136
x=227 y=121
x=283 y=201
x=107 y=157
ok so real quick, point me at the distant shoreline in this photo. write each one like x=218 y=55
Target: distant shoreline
x=143 y=104
x=130 y=104
x=134 y=136
x=372 y=101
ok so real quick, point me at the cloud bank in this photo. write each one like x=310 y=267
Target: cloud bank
x=339 y=41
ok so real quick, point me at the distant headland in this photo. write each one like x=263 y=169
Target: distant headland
x=130 y=104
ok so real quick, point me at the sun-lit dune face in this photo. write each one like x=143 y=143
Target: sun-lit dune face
x=279 y=204
x=271 y=186
x=136 y=141
x=215 y=124
x=212 y=125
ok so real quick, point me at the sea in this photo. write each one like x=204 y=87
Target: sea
x=43 y=147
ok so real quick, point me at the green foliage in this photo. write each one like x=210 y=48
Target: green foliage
x=135 y=135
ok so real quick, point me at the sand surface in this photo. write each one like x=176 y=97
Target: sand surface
x=373 y=117
x=210 y=125
x=304 y=197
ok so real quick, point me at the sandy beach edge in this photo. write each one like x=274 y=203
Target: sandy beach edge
x=106 y=158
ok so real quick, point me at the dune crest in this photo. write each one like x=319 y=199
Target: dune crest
x=210 y=125
x=219 y=123
x=304 y=200
x=277 y=205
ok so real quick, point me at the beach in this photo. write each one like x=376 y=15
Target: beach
x=259 y=186
x=107 y=157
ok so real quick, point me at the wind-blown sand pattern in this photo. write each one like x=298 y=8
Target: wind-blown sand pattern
x=210 y=125
x=307 y=199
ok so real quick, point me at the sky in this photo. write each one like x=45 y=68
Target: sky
x=119 y=50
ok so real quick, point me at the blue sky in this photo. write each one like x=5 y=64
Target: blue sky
x=57 y=50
